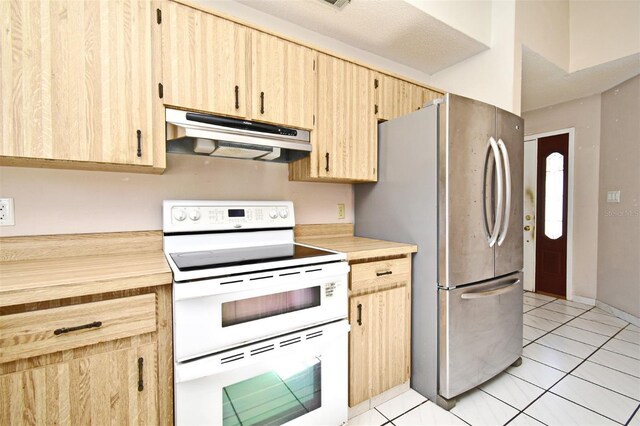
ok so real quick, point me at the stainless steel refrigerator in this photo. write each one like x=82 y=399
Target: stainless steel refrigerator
x=450 y=179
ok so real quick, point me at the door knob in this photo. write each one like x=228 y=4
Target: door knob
x=527 y=228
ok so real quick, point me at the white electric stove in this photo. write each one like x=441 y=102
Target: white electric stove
x=260 y=329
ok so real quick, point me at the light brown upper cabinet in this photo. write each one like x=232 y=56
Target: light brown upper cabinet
x=205 y=62
x=345 y=135
x=395 y=97
x=214 y=65
x=283 y=78
x=79 y=85
x=347 y=129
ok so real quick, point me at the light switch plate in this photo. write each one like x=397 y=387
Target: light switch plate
x=7 y=217
x=613 y=196
x=340 y=211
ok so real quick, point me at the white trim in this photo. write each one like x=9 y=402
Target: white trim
x=571 y=189
x=584 y=300
x=620 y=314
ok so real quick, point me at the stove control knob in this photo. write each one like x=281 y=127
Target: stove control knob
x=284 y=213
x=179 y=214
x=194 y=215
x=273 y=214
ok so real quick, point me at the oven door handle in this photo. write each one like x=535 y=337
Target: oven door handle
x=311 y=341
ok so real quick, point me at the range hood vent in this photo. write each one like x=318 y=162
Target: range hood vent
x=338 y=4
x=202 y=134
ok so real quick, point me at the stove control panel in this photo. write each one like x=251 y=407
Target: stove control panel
x=186 y=216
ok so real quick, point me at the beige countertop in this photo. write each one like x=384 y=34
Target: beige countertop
x=361 y=248
x=339 y=237
x=40 y=268
x=32 y=271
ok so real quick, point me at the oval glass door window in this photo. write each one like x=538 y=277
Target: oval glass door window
x=554 y=195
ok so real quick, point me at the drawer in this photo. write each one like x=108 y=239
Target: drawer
x=30 y=334
x=374 y=274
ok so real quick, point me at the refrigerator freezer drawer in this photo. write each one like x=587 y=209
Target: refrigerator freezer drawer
x=480 y=332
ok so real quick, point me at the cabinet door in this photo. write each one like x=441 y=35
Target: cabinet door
x=283 y=77
x=389 y=359
x=100 y=389
x=396 y=97
x=362 y=324
x=77 y=80
x=204 y=62
x=346 y=128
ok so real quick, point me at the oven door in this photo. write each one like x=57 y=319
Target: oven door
x=299 y=378
x=255 y=306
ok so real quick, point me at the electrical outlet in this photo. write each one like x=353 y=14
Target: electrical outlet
x=340 y=211
x=6 y=212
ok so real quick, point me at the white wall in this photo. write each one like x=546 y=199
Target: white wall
x=603 y=31
x=49 y=201
x=471 y=17
x=543 y=26
x=584 y=115
x=493 y=75
x=619 y=224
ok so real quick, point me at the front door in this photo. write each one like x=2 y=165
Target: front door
x=551 y=217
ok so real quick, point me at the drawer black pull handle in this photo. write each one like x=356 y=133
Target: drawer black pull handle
x=139 y=133
x=326 y=156
x=261 y=102
x=379 y=274
x=359 y=314
x=140 y=378
x=60 y=331
x=237 y=97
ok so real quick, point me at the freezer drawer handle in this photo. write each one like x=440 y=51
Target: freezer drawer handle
x=379 y=274
x=489 y=293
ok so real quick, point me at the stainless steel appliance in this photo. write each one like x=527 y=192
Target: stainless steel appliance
x=205 y=134
x=450 y=179
x=259 y=322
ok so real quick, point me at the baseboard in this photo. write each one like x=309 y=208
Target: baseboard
x=585 y=300
x=618 y=313
x=385 y=396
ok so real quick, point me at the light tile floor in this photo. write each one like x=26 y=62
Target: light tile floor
x=581 y=366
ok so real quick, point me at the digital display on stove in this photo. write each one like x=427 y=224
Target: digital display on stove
x=236 y=212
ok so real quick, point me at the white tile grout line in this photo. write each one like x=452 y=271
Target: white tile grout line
x=568 y=373
x=390 y=421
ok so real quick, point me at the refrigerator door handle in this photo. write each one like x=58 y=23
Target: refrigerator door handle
x=507 y=190
x=493 y=235
x=489 y=293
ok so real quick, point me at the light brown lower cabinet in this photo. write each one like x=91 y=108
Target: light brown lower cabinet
x=380 y=318
x=116 y=387
x=120 y=373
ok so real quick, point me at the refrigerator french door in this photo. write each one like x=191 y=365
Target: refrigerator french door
x=480 y=163
x=450 y=180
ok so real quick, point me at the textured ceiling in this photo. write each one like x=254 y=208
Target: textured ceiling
x=390 y=28
x=544 y=84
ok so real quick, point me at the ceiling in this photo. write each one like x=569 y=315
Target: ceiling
x=392 y=29
x=396 y=30
x=544 y=83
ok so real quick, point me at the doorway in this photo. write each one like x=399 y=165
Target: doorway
x=548 y=211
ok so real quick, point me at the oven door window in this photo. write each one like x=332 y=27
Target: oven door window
x=255 y=308
x=275 y=397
